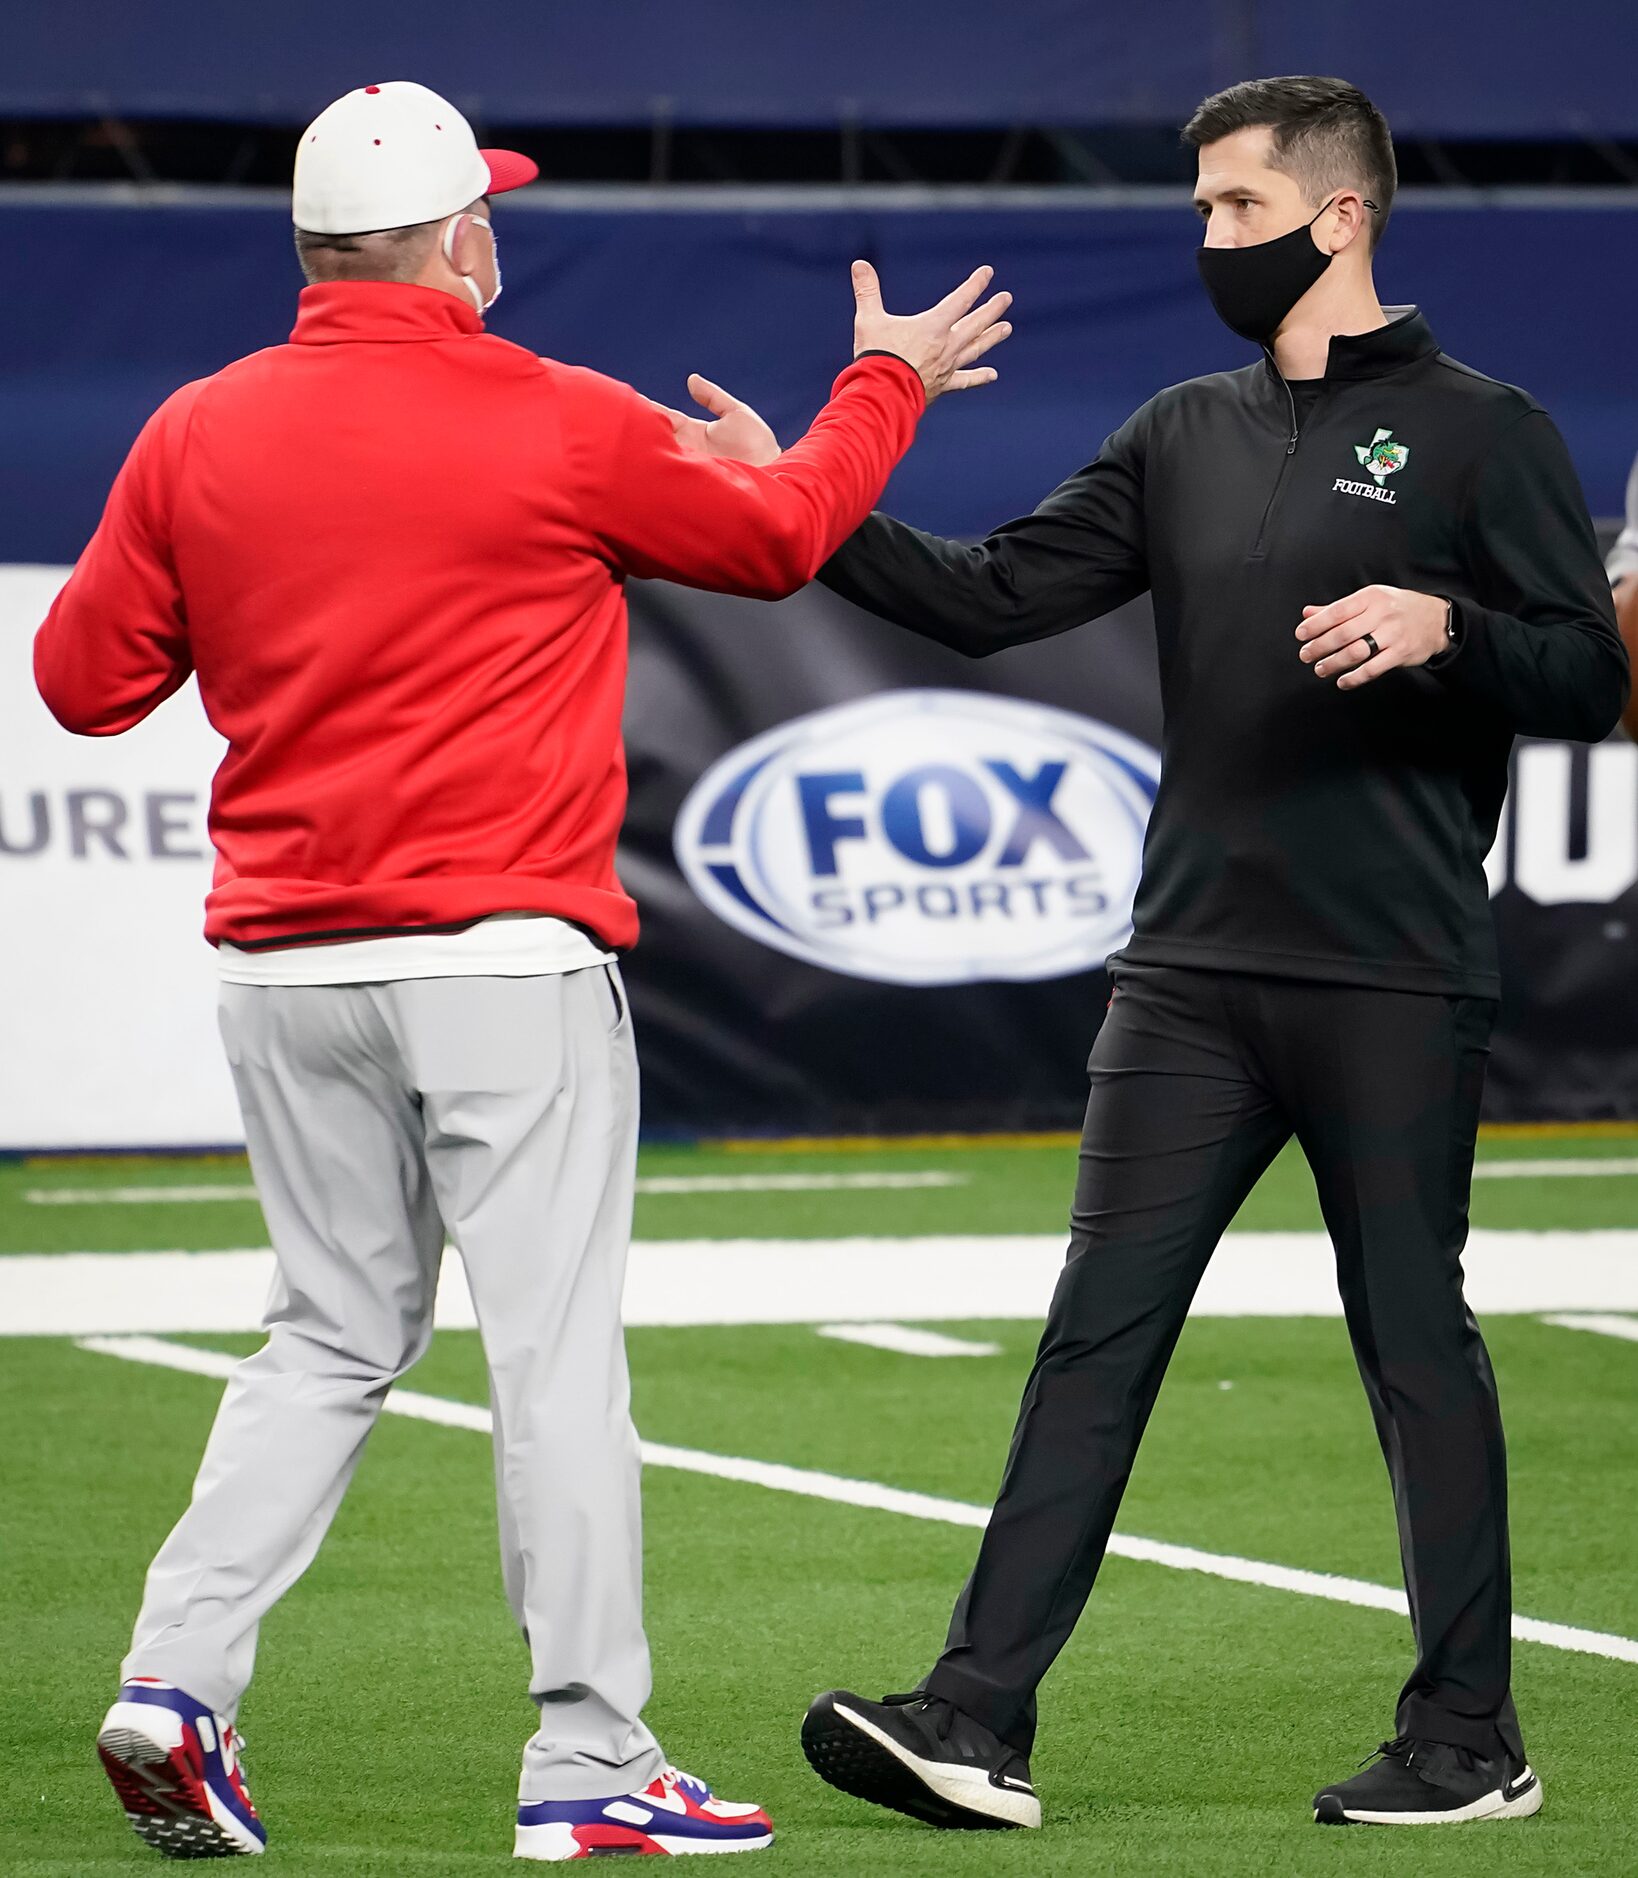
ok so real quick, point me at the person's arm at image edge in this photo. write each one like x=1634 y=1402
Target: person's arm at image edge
x=1624 y=594
x=1622 y=567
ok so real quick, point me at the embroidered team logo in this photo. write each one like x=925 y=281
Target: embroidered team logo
x=1381 y=456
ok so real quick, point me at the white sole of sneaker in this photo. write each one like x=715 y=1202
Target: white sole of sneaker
x=970 y=1788
x=165 y=1804
x=1488 y=1806
x=554 y=1843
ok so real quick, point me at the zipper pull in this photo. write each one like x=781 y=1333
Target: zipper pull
x=1291 y=444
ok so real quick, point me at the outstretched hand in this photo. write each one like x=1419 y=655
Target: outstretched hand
x=945 y=343
x=735 y=434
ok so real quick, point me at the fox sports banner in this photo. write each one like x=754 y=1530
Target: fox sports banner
x=880 y=881
x=879 y=884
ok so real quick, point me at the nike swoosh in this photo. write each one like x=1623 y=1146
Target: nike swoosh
x=949 y=1782
x=670 y=1803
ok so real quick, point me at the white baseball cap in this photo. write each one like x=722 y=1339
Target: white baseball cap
x=389 y=156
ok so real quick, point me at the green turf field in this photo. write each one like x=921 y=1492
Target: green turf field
x=999 y=1189
x=1183 y=1731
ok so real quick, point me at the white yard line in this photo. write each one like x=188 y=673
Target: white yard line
x=138 y=1196
x=673 y=1184
x=1606 y=1326
x=883 y=1181
x=800 y=1183
x=163 y=1355
x=907 y=1340
x=867 y=1493
x=1563 y=1170
x=819 y=1281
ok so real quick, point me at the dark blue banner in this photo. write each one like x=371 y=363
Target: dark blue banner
x=117 y=306
x=1439 y=68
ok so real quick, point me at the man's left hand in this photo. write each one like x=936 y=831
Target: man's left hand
x=1405 y=628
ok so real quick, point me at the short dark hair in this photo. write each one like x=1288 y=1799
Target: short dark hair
x=381 y=254
x=1327 y=135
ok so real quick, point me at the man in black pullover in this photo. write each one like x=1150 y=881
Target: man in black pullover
x=1371 y=568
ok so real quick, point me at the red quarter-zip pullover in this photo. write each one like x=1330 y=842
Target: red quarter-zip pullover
x=393 y=551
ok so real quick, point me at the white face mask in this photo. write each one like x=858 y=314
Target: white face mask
x=467 y=281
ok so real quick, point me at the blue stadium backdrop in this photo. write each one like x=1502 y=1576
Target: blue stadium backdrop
x=1442 y=68
x=878 y=881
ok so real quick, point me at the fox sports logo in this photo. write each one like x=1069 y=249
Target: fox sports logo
x=927 y=838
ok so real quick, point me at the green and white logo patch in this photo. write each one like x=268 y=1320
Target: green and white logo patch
x=1381 y=456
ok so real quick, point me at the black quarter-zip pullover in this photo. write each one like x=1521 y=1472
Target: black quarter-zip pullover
x=1299 y=830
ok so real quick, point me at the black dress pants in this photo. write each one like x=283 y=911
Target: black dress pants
x=1198 y=1079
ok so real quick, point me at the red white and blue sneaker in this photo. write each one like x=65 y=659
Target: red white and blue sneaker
x=175 y=1767
x=674 y=1813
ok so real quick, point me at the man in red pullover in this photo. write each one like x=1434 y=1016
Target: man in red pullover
x=393 y=552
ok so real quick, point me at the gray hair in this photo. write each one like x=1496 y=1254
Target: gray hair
x=380 y=254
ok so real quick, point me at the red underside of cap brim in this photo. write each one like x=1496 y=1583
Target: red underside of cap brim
x=508 y=170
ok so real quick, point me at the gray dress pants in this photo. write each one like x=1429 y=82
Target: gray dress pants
x=379 y=1117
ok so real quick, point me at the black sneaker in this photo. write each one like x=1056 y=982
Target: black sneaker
x=919 y=1755
x=1425 y=1783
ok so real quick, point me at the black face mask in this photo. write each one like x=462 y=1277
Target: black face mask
x=1254 y=288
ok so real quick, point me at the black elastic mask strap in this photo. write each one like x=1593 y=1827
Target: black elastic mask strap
x=1366 y=200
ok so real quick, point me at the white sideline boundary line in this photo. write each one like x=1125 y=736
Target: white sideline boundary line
x=681 y=1185
x=1587 y=1168
x=906 y=1340
x=944 y=1278
x=1590 y=1168
x=842 y=1491
x=881 y=1180
x=1602 y=1322
x=219 y=1194
x=673 y=1184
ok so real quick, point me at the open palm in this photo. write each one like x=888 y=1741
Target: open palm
x=734 y=433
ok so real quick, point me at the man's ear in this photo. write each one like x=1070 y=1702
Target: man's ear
x=1353 y=220
x=456 y=231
